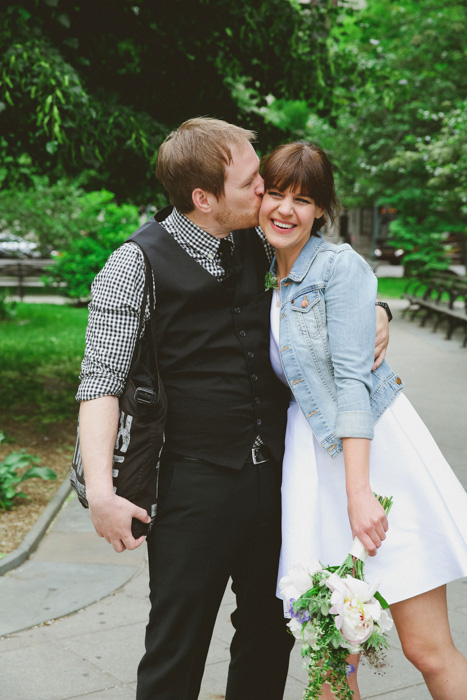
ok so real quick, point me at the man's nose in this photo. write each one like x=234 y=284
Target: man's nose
x=259 y=189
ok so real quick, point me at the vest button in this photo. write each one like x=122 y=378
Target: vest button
x=254 y=377
x=251 y=355
x=257 y=399
x=258 y=421
x=242 y=333
x=237 y=310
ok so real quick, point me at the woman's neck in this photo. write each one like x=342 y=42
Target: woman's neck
x=285 y=260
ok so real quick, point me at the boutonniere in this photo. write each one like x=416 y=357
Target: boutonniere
x=270 y=282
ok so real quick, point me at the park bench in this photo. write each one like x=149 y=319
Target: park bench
x=442 y=296
x=18 y=273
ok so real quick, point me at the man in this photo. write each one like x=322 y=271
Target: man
x=219 y=497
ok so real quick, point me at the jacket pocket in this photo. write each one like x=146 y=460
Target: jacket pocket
x=308 y=309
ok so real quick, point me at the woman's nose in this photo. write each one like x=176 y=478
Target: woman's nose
x=285 y=206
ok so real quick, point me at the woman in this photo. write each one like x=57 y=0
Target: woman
x=351 y=431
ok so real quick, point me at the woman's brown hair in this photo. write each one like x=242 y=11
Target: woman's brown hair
x=306 y=169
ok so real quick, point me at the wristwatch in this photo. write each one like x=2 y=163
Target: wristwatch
x=386 y=308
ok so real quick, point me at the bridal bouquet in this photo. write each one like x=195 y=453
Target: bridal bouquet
x=335 y=612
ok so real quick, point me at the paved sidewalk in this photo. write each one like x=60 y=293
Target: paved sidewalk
x=94 y=653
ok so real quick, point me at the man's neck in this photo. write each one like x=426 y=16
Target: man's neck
x=207 y=223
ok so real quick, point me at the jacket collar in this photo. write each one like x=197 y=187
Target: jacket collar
x=304 y=260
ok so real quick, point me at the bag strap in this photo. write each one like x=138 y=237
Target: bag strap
x=148 y=292
x=149 y=286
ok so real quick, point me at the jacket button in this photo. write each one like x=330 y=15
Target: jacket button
x=257 y=399
x=258 y=421
x=251 y=355
x=398 y=380
x=254 y=377
x=305 y=303
x=237 y=310
x=242 y=333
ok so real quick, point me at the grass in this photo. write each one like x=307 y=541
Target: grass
x=41 y=349
x=392 y=287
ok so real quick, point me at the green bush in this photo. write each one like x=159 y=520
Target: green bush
x=50 y=214
x=423 y=243
x=10 y=479
x=7 y=308
x=104 y=225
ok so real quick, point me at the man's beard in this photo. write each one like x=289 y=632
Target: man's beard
x=232 y=221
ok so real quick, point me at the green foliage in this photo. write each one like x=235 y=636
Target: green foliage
x=10 y=478
x=399 y=128
x=86 y=90
x=103 y=226
x=270 y=281
x=83 y=228
x=391 y=287
x=40 y=355
x=423 y=242
x=50 y=214
x=379 y=88
x=7 y=308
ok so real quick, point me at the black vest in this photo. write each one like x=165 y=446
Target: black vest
x=213 y=351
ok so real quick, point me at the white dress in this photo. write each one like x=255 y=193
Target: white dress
x=425 y=545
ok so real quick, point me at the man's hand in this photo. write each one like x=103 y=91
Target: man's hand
x=382 y=336
x=112 y=516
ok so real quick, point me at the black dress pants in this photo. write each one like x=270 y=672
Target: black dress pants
x=214 y=523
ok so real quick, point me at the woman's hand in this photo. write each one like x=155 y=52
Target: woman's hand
x=366 y=514
x=367 y=519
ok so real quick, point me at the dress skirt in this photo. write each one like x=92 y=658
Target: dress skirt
x=425 y=545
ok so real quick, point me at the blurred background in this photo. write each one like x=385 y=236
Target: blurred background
x=89 y=90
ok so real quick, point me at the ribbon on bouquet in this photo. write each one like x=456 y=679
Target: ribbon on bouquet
x=358 y=550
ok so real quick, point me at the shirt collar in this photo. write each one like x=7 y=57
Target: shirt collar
x=196 y=237
x=303 y=262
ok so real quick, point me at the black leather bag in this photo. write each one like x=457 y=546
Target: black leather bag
x=140 y=437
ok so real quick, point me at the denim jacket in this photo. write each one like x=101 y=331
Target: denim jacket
x=326 y=341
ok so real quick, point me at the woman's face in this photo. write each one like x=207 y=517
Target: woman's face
x=287 y=218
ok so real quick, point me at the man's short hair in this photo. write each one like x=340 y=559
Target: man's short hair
x=196 y=155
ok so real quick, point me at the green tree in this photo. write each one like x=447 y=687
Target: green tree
x=98 y=85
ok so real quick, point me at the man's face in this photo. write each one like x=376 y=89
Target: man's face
x=243 y=189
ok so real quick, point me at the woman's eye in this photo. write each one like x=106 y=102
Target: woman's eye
x=303 y=201
x=272 y=193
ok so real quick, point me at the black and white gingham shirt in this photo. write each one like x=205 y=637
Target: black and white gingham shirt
x=117 y=295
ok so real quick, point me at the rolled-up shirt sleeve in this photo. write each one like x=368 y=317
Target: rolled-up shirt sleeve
x=114 y=312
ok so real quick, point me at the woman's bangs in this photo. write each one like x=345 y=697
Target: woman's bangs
x=291 y=173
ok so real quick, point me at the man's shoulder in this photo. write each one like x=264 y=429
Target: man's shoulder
x=124 y=264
